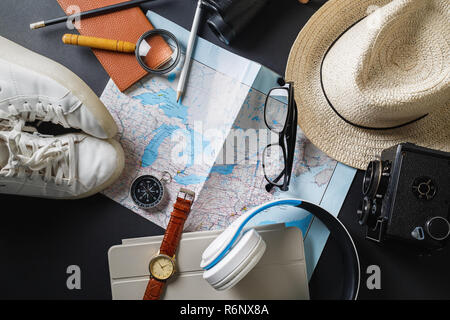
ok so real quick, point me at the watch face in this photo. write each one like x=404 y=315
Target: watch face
x=161 y=267
x=147 y=191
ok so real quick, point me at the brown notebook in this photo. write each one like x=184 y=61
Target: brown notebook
x=126 y=25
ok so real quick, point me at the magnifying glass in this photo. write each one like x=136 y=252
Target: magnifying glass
x=157 y=51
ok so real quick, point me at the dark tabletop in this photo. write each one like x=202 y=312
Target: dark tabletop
x=40 y=238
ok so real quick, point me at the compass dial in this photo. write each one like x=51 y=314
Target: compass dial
x=147 y=191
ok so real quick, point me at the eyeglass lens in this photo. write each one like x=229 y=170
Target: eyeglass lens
x=273 y=164
x=276 y=109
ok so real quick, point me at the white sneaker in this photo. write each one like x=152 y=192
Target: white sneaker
x=70 y=166
x=33 y=87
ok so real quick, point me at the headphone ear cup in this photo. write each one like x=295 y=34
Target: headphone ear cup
x=248 y=265
x=244 y=255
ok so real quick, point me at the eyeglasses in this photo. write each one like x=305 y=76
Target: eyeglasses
x=280 y=116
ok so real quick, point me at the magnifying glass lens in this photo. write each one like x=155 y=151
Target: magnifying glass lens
x=158 y=51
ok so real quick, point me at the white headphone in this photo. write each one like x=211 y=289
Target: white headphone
x=232 y=255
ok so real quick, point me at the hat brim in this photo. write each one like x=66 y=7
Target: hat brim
x=340 y=140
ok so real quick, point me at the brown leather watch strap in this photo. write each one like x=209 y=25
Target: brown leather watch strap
x=171 y=239
x=174 y=229
x=154 y=289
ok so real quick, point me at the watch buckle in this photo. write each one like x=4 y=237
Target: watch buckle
x=185 y=194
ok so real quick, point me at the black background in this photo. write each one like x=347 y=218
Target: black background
x=40 y=238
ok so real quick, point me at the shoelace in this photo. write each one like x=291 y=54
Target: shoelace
x=47 y=113
x=54 y=159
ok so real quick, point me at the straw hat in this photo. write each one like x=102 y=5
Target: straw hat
x=370 y=74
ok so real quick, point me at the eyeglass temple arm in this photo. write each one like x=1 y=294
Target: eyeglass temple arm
x=270 y=185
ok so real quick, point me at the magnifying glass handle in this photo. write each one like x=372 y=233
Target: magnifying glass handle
x=99 y=43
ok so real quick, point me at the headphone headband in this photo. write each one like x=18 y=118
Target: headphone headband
x=219 y=248
x=239 y=226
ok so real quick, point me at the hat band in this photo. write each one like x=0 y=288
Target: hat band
x=334 y=109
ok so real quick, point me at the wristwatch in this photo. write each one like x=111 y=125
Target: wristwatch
x=162 y=265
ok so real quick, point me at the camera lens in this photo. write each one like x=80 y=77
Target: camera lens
x=369 y=179
x=376 y=178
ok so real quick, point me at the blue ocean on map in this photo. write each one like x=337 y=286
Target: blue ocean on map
x=165 y=99
x=151 y=151
x=195 y=179
x=223 y=169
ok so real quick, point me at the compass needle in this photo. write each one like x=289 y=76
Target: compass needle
x=147 y=191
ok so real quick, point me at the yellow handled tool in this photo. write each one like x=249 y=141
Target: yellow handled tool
x=99 y=43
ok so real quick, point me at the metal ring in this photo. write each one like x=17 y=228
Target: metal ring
x=166 y=177
x=429 y=232
x=158 y=32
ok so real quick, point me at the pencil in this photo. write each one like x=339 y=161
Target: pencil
x=90 y=13
x=189 y=49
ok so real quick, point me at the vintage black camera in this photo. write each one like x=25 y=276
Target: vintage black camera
x=407 y=195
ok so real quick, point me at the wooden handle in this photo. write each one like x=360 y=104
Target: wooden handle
x=303 y=1
x=99 y=43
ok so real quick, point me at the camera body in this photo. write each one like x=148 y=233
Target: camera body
x=407 y=196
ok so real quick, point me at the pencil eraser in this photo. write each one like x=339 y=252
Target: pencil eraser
x=37 y=25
